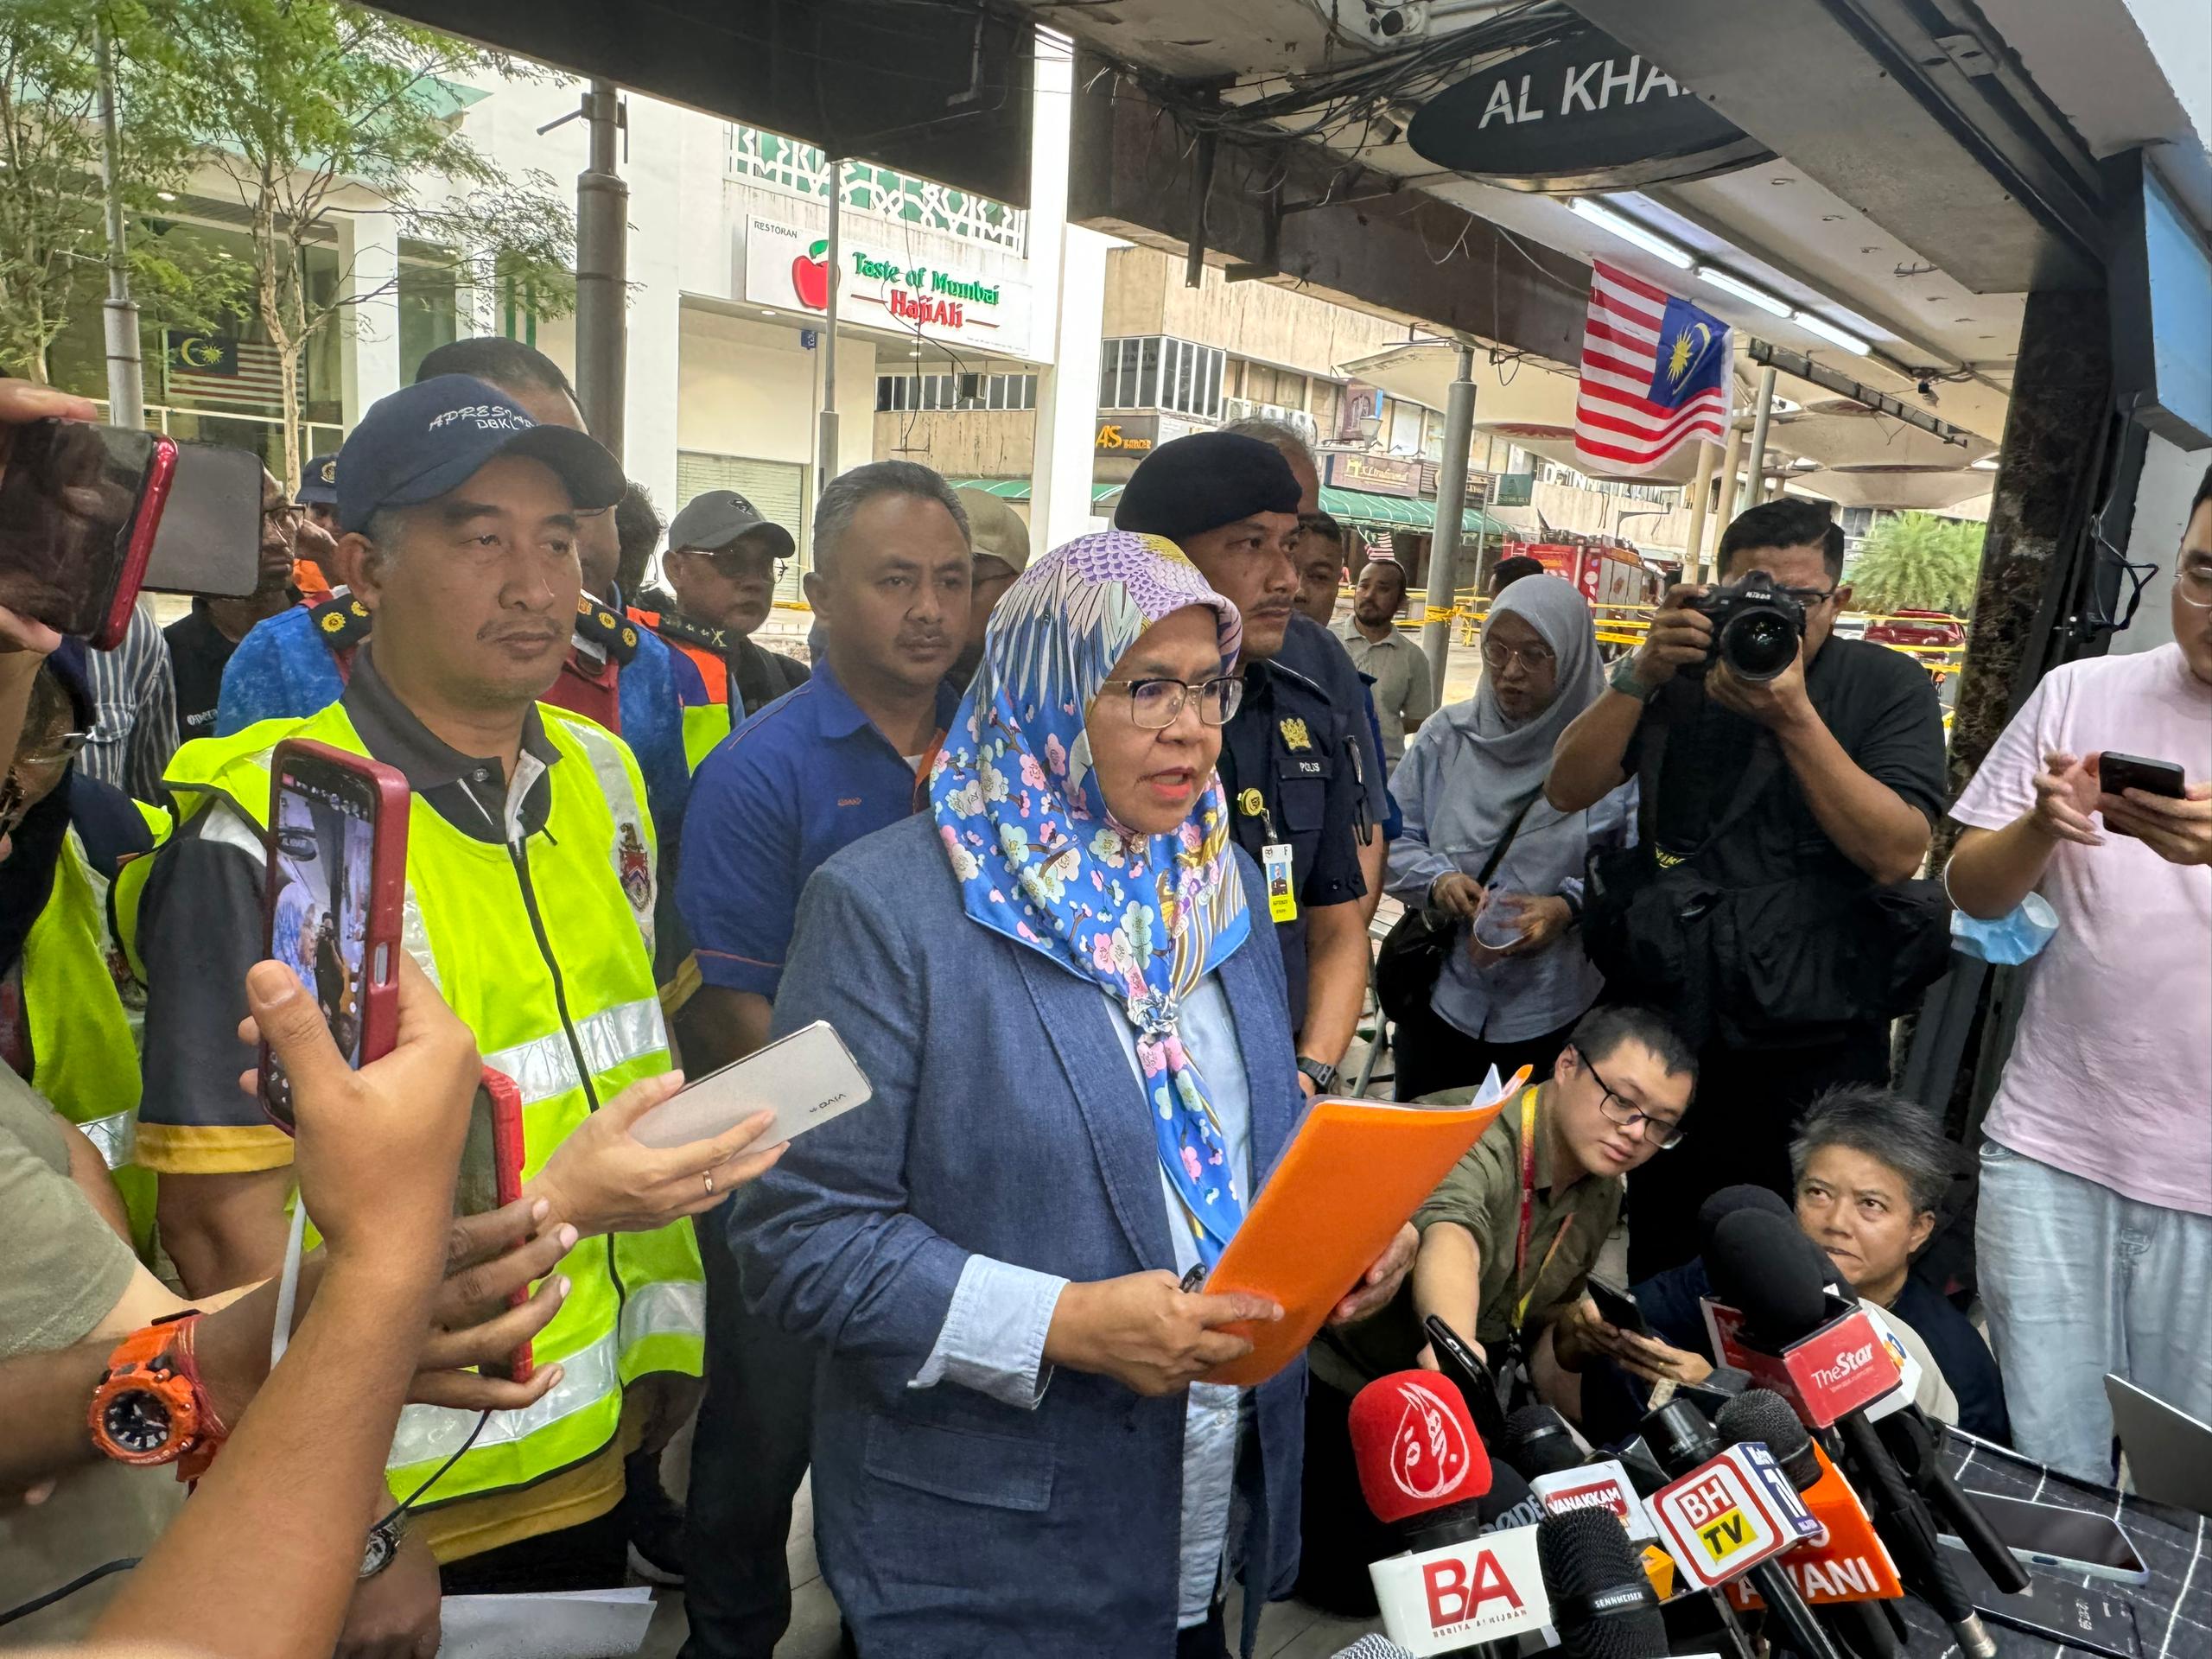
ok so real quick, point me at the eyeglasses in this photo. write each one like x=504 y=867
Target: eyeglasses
x=1668 y=1131
x=1154 y=704
x=1809 y=597
x=283 y=516
x=1535 y=659
x=2194 y=582
x=736 y=563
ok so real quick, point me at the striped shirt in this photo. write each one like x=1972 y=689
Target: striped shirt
x=134 y=699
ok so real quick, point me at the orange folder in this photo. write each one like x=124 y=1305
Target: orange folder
x=1353 y=1175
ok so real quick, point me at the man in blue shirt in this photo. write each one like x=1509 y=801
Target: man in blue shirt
x=834 y=760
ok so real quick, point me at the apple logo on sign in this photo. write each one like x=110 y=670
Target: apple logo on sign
x=810 y=276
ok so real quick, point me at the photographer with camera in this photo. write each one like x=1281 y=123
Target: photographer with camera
x=1790 y=782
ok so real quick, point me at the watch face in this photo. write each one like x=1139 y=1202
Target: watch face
x=137 y=1421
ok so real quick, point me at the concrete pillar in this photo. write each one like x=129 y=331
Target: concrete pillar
x=368 y=251
x=655 y=172
x=2055 y=429
x=1067 y=267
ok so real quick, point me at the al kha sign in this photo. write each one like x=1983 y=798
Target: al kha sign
x=787 y=266
x=1579 y=111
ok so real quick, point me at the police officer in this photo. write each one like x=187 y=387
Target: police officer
x=723 y=559
x=1295 y=758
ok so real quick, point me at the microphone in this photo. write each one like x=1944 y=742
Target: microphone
x=1752 y=1265
x=1374 y=1647
x=1602 y=1604
x=1729 y=1199
x=1424 y=1472
x=1728 y=1513
x=1847 y=1575
x=1565 y=1476
x=1538 y=1442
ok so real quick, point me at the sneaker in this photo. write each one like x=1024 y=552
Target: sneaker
x=653 y=1522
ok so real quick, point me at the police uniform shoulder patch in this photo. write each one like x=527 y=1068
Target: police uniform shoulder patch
x=342 y=621
x=634 y=868
x=599 y=626
x=1294 y=734
x=682 y=630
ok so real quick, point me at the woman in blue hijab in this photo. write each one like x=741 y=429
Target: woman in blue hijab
x=1082 y=1062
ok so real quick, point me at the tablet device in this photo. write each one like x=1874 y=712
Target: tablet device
x=806 y=1079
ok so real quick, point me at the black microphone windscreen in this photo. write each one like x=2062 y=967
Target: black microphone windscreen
x=1678 y=1436
x=1508 y=1503
x=1762 y=1414
x=1730 y=1199
x=1539 y=1442
x=1602 y=1604
x=1763 y=1266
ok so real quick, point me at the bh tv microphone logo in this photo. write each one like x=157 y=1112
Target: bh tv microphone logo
x=1429 y=1454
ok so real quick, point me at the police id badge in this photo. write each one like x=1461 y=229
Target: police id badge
x=1274 y=863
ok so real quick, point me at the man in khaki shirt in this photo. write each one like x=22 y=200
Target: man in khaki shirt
x=1614 y=1099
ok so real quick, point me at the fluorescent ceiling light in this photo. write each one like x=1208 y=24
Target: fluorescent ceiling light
x=1629 y=230
x=1742 y=290
x=1818 y=325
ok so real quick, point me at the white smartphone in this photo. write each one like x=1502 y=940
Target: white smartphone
x=2060 y=1539
x=806 y=1079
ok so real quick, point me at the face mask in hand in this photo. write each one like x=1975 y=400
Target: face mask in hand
x=2010 y=939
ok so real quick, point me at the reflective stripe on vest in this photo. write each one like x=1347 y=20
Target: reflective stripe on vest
x=473 y=912
x=84 y=1036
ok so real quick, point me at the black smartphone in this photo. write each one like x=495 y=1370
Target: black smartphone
x=79 y=508
x=1617 y=1308
x=2116 y=773
x=209 y=538
x=1456 y=1360
x=2078 y=1619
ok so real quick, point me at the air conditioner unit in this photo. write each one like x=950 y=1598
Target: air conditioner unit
x=1234 y=410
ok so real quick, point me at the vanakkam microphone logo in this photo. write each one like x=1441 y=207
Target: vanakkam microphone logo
x=1429 y=1454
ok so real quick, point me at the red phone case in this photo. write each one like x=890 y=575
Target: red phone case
x=145 y=518
x=506 y=1096
x=381 y=942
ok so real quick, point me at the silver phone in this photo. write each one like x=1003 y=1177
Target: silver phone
x=2060 y=1538
x=806 y=1079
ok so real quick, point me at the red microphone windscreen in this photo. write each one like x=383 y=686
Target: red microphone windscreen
x=1415 y=1446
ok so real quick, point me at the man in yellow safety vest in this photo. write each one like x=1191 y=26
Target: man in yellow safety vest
x=531 y=883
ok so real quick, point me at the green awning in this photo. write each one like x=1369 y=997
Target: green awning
x=1360 y=508
x=1017 y=489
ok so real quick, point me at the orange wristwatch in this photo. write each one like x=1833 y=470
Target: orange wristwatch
x=150 y=1407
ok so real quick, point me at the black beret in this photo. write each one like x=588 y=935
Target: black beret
x=1193 y=485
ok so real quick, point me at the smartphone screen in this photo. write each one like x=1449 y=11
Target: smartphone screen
x=2047 y=1535
x=1617 y=1308
x=322 y=849
x=69 y=507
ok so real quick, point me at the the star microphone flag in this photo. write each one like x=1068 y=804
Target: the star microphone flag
x=1655 y=376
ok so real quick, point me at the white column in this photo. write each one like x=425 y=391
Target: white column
x=1067 y=264
x=369 y=248
x=655 y=174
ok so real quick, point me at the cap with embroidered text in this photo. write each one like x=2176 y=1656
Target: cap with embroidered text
x=426 y=440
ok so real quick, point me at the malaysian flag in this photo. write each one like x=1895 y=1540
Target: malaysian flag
x=1655 y=375
x=218 y=369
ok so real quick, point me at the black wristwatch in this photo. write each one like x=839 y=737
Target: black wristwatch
x=1323 y=1075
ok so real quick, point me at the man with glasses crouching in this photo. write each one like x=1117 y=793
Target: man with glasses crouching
x=1507 y=1243
x=1788 y=780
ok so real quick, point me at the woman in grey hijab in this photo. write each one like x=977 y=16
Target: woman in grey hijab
x=1516 y=978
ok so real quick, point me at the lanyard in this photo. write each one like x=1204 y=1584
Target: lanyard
x=1524 y=1288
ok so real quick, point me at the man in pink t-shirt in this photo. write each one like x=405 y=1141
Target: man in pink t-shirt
x=2095 y=1225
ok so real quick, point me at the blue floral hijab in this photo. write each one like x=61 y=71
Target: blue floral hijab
x=1040 y=859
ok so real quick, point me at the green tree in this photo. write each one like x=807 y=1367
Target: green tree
x=53 y=240
x=1917 y=560
x=309 y=110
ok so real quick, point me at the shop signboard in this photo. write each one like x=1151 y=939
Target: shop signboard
x=1375 y=474
x=1578 y=112
x=787 y=266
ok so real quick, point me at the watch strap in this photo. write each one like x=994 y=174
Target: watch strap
x=162 y=1359
x=1324 y=1074
x=1623 y=679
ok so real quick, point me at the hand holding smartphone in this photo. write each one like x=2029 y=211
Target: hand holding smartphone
x=79 y=507
x=335 y=886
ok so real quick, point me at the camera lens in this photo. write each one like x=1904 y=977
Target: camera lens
x=1759 y=644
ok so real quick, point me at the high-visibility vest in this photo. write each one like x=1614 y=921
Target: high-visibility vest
x=704 y=724
x=543 y=947
x=85 y=1010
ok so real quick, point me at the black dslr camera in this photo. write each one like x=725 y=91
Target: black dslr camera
x=1756 y=628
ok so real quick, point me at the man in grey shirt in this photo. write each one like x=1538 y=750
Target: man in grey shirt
x=1403 y=695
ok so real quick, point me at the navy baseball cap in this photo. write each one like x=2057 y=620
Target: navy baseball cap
x=318 y=483
x=428 y=439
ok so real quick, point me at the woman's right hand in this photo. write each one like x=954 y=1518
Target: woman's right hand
x=1458 y=895
x=1148 y=1333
